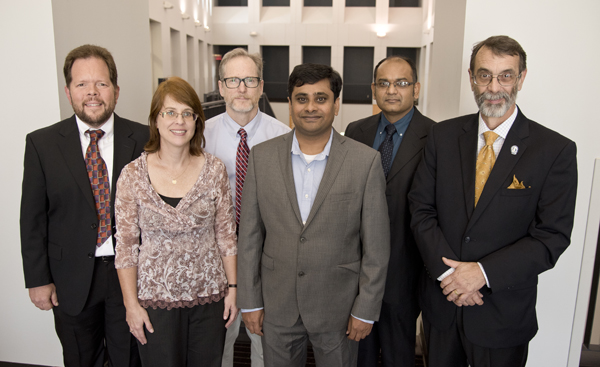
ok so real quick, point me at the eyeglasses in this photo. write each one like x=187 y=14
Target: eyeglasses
x=249 y=82
x=398 y=84
x=504 y=79
x=186 y=116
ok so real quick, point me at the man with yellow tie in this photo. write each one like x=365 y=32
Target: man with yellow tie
x=492 y=207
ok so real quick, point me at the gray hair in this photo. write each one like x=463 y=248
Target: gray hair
x=239 y=52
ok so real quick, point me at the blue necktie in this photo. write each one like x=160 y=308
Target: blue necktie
x=387 y=148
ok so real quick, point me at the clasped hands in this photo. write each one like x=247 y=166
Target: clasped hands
x=463 y=285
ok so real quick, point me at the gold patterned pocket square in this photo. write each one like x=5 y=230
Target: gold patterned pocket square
x=516 y=184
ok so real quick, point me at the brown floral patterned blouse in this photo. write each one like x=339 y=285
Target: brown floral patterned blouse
x=179 y=259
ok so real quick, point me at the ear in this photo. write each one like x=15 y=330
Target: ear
x=260 y=87
x=221 y=86
x=416 y=90
x=522 y=79
x=471 y=80
x=68 y=93
x=117 y=90
x=373 y=91
x=337 y=105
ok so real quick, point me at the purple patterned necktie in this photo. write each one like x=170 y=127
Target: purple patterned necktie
x=241 y=166
x=98 y=176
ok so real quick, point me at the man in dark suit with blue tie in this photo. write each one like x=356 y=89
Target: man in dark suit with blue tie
x=492 y=207
x=67 y=217
x=399 y=132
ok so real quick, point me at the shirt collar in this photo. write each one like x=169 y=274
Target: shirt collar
x=108 y=127
x=250 y=128
x=325 y=153
x=502 y=129
x=403 y=121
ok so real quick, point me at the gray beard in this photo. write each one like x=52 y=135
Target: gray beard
x=496 y=110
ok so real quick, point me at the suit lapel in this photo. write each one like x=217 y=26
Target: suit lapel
x=337 y=154
x=410 y=145
x=504 y=164
x=467 y=144
x=285 y=162
x=368 y=130
x=124 y=148
x=70 y=148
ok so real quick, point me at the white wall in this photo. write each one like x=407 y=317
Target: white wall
x=29 y=101
x=560 y=91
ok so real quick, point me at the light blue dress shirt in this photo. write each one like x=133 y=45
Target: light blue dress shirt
x=222 y=138
x=307 y=176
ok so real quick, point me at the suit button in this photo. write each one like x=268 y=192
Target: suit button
x=301 y=274
x=467 y=239
x=91 y=255
x=302 y=239
x=94 y=226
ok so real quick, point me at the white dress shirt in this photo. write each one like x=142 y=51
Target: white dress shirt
x=107 y=152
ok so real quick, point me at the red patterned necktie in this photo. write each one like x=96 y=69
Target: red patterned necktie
x=100 y=183
x=241 y=166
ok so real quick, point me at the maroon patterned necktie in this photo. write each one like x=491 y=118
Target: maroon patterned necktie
x=98 y=176
x=241 y=166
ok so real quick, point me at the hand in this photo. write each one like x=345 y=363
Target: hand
x=254 y=321
x=469 y=299
x=231 y=310
x=137 y=317
x=44 y=297
x=357 y=329
x=463 y=283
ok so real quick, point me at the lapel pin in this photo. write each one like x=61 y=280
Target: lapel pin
x=514 y=149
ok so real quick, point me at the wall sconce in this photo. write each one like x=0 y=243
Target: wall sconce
x=381 y=34
x=167 y=5
x=197 y=24
x=206 y=29
x=185 y=16
x=253 y=34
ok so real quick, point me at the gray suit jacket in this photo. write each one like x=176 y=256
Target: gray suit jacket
x=331 y=267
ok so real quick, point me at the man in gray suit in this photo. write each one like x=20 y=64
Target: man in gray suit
x=314 y=233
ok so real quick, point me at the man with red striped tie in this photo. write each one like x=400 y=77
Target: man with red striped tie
x=230 y=136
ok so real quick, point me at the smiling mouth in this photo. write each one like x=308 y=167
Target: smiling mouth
x=93 y=104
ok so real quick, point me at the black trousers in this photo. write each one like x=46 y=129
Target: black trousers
x=100 y=331
x=185 y=336
x=393 y=336
x=451 y=348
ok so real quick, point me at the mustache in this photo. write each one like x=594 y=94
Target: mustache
x=489 y=95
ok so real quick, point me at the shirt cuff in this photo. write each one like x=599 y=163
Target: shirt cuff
x=245 y=310
x=363 y=320
x=446 y=274
x=484 y=275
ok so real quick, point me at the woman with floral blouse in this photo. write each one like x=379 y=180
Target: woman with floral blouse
x=176 y=251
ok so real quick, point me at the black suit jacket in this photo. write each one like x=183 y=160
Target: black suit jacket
x=58 y=213
x=515 y=234
x=405 y=263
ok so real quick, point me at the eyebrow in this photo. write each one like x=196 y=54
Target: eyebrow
x=503 y=71
x=386 y=80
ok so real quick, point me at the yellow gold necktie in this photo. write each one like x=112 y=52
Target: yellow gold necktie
x=485 y=163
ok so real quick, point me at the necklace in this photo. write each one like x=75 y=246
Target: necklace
x=174 y=179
